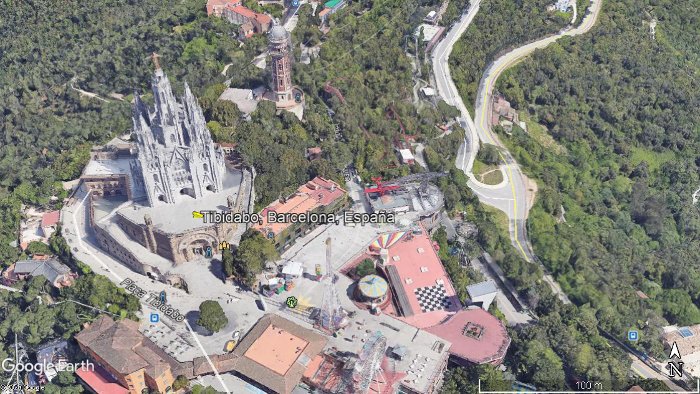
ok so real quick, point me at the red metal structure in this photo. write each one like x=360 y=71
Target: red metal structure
x=381 y=188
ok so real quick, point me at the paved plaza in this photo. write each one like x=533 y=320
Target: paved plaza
x=185 y=340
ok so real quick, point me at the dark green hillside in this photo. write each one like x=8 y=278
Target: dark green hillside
x=625 y=108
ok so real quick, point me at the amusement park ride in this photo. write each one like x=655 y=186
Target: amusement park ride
x=368 y=368
x=332 y=317
x=381 y=188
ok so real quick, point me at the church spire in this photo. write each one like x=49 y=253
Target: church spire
x=177 y=158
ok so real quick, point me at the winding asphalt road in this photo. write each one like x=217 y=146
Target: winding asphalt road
x=513 y=196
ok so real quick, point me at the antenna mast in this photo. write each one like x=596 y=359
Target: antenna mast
x=332 y=316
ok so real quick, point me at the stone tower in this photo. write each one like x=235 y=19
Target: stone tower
x=279 y=47
x=177 y=158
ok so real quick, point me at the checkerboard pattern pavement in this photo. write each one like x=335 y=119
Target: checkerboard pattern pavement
x=432 y=298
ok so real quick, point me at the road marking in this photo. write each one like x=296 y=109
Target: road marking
x=491 y=198
x=492 y=76
x=211 y=364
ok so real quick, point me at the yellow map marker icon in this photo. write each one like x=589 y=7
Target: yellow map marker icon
x=197 y=215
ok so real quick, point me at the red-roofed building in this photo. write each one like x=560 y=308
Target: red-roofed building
x=318 y=195
x=276 y=352
x=240 y=15
x=501 y=109
x=228 y=147
x=98 y=380
x=423 y=292
x=246 y=30
x=49 y=221
x=476 y=336
x=323 y=15
x=127 y=355
x=424 y=297
x=216 y=7
x=329 y=8
x=326 y=372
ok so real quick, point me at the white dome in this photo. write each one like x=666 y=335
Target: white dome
x=278 y=33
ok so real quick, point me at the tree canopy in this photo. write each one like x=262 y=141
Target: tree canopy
x=622 y=105
x=212 y=316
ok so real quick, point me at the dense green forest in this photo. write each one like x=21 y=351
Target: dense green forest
x=620 y=105
x=102 y=47
x=364 y=57
x=623 y=107
x=498 y=26
x=367 y=59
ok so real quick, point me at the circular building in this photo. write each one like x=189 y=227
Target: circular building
x=373 y=288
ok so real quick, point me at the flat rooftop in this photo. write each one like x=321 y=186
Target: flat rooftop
x=118 y=166
x=476 y=336
x=243 y=98
x=390 y=202
x=276 y=349
x=273 y=353
x=426 y=352
x=177 y=218
x=318 y=192
x=423 y=289
x=687 y=338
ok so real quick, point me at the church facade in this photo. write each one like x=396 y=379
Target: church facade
x=177 y=158
x=143 y=191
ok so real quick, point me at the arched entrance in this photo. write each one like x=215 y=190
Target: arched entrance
x=197 y=246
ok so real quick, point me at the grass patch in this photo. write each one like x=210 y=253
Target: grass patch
x=539 y=133
x=487 y=173
x=480 y=167
x=499 y=218
x=654 y=159
x=493 y=177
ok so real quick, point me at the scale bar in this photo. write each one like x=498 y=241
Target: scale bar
x=697 y=391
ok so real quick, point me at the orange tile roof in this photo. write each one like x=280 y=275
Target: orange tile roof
x=263 y=19
x=100 y=381
x=248 y=13
x=50 y=218
x=316 y=193
x=276 y=349
x=325 y=373
x=241 y=10
x=271 y=358
x=313 y=366
x=215 y=6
